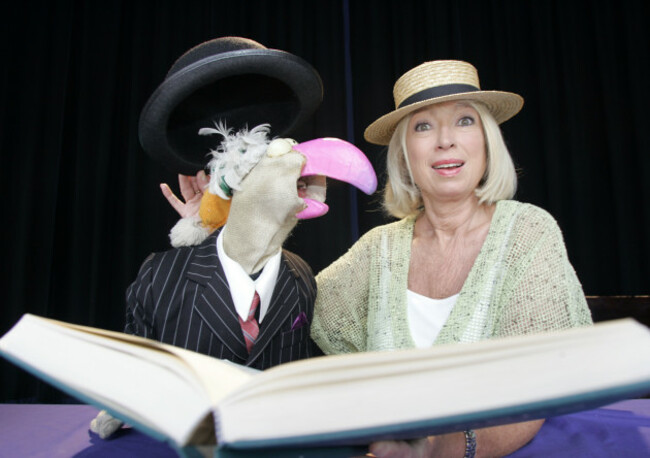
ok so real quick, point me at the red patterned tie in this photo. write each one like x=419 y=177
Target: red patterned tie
x=250 y=328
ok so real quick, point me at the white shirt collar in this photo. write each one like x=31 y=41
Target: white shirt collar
x=243 y=287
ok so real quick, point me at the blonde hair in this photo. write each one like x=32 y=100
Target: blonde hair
x=402 y=197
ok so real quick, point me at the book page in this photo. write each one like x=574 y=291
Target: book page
x=216 y=377
x=141 y=379
x=339 y=396
x=218 y=380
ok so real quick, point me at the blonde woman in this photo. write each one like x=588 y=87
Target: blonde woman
x=464 y=262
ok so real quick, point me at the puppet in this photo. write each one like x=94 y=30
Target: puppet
x=231 y=291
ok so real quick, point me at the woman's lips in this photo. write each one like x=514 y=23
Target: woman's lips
x=448 y=167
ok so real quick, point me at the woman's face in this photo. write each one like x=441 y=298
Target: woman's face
x=446 y=150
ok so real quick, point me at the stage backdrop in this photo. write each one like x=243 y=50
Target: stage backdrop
x=82 y=206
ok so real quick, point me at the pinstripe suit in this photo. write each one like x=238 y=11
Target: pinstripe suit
x=181 y=297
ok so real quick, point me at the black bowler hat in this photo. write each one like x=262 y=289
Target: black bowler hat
x=231 y=79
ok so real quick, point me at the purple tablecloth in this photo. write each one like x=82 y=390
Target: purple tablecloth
x=49 y=431
x=617 y=430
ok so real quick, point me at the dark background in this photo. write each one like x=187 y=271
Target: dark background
x=81 y=203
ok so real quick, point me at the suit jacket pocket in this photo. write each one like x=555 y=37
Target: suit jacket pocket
x=295 y=344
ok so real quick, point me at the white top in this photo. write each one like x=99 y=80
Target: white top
x=243 y=287
x=427 y=316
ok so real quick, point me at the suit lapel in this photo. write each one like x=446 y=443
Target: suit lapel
x=285 y=299
x=214 y=303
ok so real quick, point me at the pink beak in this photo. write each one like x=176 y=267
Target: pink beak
x=338 y=159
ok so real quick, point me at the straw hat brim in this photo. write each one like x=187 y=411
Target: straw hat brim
x=502 y=105
x=243 y=88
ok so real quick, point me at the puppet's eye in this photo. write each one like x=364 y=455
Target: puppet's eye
x=242 y=150
x=280 y=146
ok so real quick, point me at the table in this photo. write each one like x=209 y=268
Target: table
x=36 y=430
x=617 y=430
x=61 y=430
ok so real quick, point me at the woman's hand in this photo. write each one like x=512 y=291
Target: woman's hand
x=493 y=441
x=192 y=188
x=421 y=448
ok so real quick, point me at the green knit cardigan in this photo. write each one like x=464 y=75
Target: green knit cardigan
x=521 y=282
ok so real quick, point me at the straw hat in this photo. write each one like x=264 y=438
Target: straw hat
x=435 y=82
x=235 y=80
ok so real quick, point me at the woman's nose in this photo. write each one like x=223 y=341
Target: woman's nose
x=445 y=139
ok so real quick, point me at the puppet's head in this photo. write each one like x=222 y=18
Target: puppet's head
x=242 y=83
x=274 y=182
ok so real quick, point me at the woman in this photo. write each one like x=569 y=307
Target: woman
x=463 y=263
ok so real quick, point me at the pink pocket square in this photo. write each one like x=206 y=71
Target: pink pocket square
x=300 y=321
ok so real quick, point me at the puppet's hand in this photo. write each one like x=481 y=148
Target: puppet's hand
x=188 y=230
x=105 y=425
x=192 y=191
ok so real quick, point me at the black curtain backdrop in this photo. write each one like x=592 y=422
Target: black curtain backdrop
x=82 y=206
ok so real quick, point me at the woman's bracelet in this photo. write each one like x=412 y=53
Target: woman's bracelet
x=470 y=443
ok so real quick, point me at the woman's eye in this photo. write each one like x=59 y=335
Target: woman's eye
x=466 y=121
x=422 y=126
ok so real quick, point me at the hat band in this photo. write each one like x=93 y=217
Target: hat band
x=438 y=91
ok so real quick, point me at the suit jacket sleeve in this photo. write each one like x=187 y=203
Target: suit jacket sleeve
x=139 y=302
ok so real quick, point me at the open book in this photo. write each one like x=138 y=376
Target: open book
x=189 y=399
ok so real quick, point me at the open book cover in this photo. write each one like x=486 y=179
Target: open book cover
x=196 y=402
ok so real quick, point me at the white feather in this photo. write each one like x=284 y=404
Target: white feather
x=236 y=155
